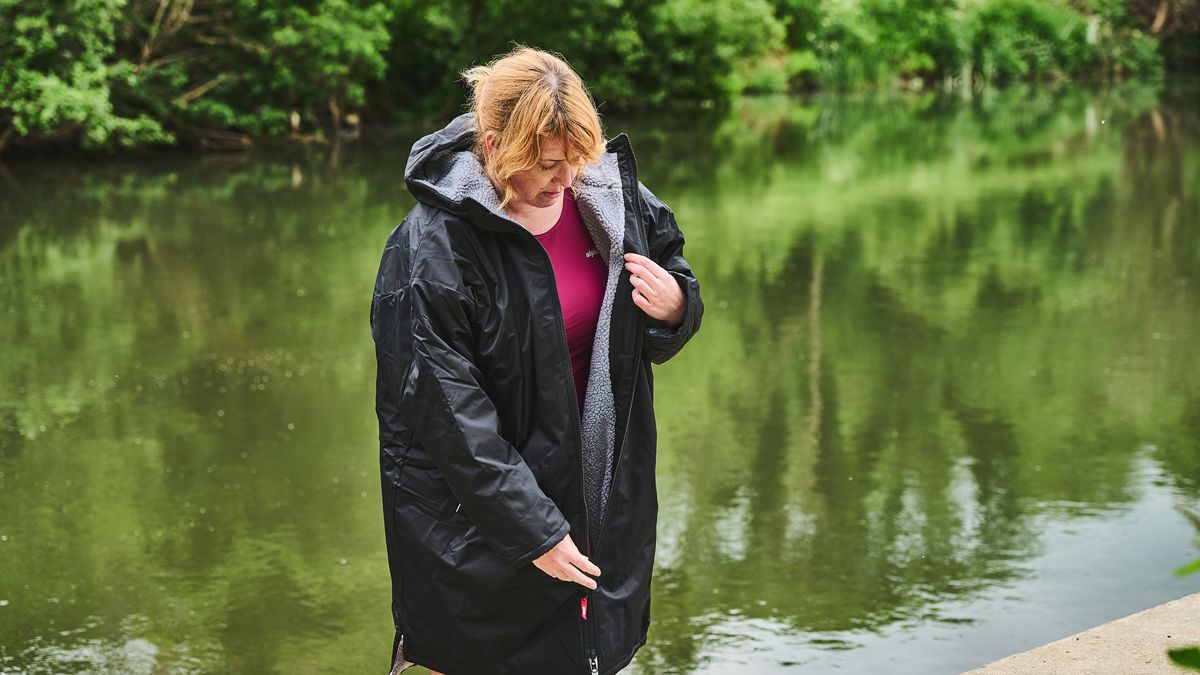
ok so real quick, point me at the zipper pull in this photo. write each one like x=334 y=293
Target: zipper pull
x=594 y=663
x=583 y=607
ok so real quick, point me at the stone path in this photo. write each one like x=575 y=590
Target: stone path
x=1135 y=644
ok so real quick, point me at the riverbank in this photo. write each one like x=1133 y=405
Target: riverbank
x=1137 y=643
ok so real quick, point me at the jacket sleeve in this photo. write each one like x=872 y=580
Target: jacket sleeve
x=662 y=341
x=444 y=404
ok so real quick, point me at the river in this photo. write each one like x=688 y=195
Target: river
x=944 y=401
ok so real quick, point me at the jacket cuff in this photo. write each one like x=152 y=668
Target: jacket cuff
x=540 y=550
x=665 y=334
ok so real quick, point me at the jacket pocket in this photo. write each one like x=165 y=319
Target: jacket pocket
x=425 y=489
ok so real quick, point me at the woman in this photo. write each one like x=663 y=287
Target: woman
x=516 y=313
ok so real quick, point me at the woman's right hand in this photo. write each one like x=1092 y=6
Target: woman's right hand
x=565 y=563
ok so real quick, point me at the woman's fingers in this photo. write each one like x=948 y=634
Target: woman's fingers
x=644 y=294
x=565 y=563
x=647 y=265
x=588 y=566
x=577 y=565
x=646 y=273
x=580 y=578
x=576 y=560
x=655 y=291
x=642 y=285
x=567 y=571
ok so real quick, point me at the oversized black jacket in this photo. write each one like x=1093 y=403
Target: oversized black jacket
x=486 y=462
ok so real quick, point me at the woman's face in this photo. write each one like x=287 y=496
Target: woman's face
x=543 y=185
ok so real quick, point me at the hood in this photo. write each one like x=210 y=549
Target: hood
x=443 y=172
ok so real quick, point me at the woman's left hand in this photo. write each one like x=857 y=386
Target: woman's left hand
x=655 y=290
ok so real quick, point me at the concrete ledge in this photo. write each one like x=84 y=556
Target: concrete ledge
x=1137 y=643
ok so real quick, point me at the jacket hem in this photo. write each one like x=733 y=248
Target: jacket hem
x=419 y=660
x=625 y=660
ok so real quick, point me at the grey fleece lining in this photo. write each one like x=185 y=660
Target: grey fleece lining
x=458 y=175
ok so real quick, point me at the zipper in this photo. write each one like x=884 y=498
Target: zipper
x=593 y=658
x=637 y=352
x=588 y=626
x=587 y=544
x=588 y=639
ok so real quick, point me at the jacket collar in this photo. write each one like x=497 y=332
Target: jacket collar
x=443 y=171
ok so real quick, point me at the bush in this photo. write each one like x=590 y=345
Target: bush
x=116 y=73
x=632 y=55
x=1027 y=39
x=55 y=75
x=1134 y=53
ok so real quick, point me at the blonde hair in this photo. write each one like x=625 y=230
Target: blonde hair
x=523 y=96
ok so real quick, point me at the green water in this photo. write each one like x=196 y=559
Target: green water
x=946 y=392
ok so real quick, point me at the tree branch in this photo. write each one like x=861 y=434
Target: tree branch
x=5 y=138
x=1160 y=17
x=201 y=90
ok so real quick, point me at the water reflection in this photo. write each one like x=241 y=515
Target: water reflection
x=989 y=348
x=950 y=346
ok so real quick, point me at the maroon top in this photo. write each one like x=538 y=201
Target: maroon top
x=581 y=275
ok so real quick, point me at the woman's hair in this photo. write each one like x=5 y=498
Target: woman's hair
x=522 y=96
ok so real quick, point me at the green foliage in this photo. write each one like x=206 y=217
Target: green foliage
x=113 y=73
x=633 y=54
x=247 y=68
x=918 y=36
x=693 y=37
x=1134 y=53
x=55 y=73
x=871 y=42
x=877 y=42
x=847 y=47
x=332 y=50
x=1188 y=657
x=1032 y=39
x=121 y=73
x=1027 y=39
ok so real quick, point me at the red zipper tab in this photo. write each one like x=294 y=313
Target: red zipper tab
x=583 y=607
